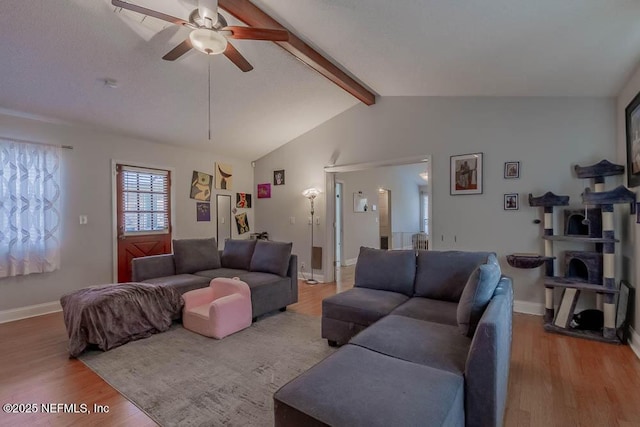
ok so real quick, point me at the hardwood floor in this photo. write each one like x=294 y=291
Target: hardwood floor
x=555 y=380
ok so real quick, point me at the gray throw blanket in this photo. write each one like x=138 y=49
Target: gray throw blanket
x=112 y=315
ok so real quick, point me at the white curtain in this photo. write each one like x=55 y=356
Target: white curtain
x=29 y=208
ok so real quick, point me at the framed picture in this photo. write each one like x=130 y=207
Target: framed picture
x=243 y=200
x=632 y=115
x=224 y=176
x=201 y=186
x=203 y=211
x=466 y=174
x=511 y=202
x=511 y=170
x=278 y=177
x=264 y=191
x=242 y=223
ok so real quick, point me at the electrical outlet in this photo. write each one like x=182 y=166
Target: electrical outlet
x=302 y=266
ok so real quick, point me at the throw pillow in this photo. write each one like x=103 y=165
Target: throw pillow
x=476 y=295
x=237 y=254
x=442 y=275
x=192 y=255
x=386 y=270
x=271 y=257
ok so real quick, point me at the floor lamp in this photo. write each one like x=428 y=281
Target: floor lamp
x=311 y=194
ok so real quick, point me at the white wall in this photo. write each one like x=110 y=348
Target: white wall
x=87 y=257
x=629 y=229
x=361 y=228
x=547 y=135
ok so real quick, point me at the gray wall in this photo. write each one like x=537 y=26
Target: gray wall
x=87 y=257
x=629 y=228
x=547 y=135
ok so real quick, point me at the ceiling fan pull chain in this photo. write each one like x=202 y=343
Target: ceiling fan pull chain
x=209 y=61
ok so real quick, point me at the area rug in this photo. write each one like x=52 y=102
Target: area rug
x=180 y=378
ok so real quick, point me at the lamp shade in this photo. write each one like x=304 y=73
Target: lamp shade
x=208 y=41
x=311 y=193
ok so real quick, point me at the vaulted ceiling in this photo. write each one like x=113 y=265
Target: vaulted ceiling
x=57 y=53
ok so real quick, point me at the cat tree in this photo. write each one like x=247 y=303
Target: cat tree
x=584 y=270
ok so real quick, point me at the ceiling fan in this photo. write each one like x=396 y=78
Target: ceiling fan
x=210 y=32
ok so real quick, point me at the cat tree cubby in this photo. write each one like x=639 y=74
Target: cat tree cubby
x=591 y=270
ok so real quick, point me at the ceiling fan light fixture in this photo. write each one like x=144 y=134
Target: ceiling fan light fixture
x=208 y=41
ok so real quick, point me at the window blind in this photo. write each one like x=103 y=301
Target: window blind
x=144 y=200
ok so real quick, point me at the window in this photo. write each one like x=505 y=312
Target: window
x=424 y=212
x=144 y=206
x=29 y=208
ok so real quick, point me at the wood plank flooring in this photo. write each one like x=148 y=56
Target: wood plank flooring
x=555 y=380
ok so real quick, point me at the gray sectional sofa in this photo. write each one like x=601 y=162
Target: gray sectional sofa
x=426 y=341
x=269 y=268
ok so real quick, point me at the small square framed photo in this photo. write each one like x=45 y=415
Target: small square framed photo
x=511 y=170
x=278 y=177
x=511 y=202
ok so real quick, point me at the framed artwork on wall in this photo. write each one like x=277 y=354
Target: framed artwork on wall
x=466 y=174
x=264 y=191
x=511 y=170
x=201 y=186
x=632 y=117
x=203 y=211
x=224 y=176
x=243 y=200
x=511 y=202
x=278 y=177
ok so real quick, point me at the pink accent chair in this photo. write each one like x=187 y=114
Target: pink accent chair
x=219 y=310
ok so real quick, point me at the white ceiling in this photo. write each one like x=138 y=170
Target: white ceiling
x=56 y=52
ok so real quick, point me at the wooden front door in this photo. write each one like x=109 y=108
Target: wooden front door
x=144 y=215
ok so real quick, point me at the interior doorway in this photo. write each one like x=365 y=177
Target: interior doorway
x=339 y=253
x=384 y=218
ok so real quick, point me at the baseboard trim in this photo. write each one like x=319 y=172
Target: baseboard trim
x=29 y=311
x=318 y=277
x=634 y=341
x=526 y=307
x=350 y=261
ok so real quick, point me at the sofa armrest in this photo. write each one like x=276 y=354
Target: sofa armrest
x=487 y=367
x=292 y=273
x=150 y=267
x=223 y=286
x=197 y=297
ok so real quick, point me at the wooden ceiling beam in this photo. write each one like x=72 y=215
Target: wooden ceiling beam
x=253 y=16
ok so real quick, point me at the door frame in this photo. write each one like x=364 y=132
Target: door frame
x=330 y=178
x=114 y=206
x=337 y=263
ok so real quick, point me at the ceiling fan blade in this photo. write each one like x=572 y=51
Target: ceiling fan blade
x=178 y=51
x=252 y=33
x=237 y=58
x=149 y=12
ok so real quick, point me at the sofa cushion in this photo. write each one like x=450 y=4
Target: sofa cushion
x=476 y=295
x=237 y=254
x=358 y=387
x=442 y=275
x=193 y=255
x=430 y=310
x=181 y=282
x=361 y=305
x=271 y=257
x=221 y=272
x=148 y=267
x=386 y=270
x=432 y=344
x=268 y=291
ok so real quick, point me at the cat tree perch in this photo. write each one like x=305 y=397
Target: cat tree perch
x=590 y=270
